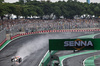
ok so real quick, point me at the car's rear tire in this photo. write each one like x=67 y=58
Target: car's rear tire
x=12 y=60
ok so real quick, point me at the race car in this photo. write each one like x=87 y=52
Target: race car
x=17 y=59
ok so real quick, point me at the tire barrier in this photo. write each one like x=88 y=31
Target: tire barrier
x=51 y=31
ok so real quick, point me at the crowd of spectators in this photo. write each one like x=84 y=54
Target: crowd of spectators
x=38 y=24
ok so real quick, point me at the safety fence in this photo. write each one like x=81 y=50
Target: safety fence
x=3 y=33
x=43 y=25
x=51 y=31
x=20 y=31
x=2 y=37
x=3 y=41
x=13 y=27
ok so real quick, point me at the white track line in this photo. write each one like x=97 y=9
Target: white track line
x=95 y=35
x=85 y=60
x=10 y=41
x=5 y=46
x=43 y=58
x=73 y=56
x=91 y=56
x=13 y=40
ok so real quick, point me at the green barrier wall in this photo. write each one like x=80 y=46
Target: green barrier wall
x=68 y=44
x=47 y=58
x=90 y=61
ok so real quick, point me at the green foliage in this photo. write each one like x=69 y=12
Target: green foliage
x=18 y=10
x=6 y=8
x=61 y=8
x=1 y=1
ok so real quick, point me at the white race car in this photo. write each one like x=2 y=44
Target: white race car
x=17 y=59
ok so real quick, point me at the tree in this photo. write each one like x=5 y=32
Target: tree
x=18 y=10
x=20 y=2
x=28 y=0
x=97 y=11
x=1 y=1
x=57 y=11
x=1 y=11
x=70 y=0
x=61 y=8
x=4 y=9
x=30 y=10
x=39 y=11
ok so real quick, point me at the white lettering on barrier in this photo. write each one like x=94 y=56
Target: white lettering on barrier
x=77 y=43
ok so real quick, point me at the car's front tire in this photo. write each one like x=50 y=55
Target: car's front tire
x=20 y=60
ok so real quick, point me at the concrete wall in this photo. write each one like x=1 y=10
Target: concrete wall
x=2 y=35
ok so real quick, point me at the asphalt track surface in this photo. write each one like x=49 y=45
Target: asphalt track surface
x=97 y=62
x=78 y=60
x=33 y=58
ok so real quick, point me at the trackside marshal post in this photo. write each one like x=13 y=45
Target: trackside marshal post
x=74 y=44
